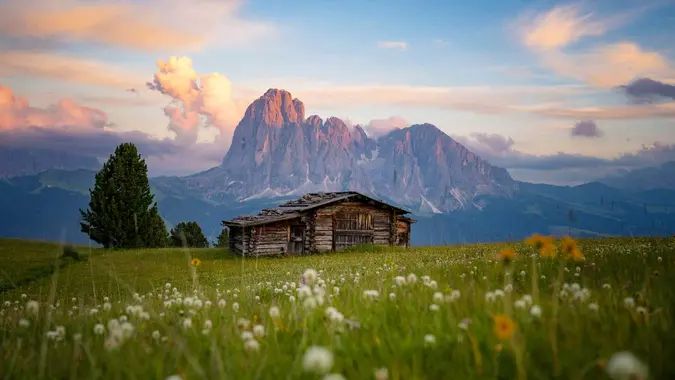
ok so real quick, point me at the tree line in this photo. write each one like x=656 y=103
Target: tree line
x=123 y=213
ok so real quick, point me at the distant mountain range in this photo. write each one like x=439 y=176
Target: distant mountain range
x=277 y=153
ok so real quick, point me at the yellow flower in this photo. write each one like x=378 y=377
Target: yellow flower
x=196 y=262
x=506 y=255
x=569 y=246
x=544 y=244
x=504 y=326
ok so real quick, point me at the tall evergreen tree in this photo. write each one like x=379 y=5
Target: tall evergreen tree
x=223 y=239
x=122 y=212
x=188 y=235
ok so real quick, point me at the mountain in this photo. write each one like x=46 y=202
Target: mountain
x=277 y=152
x=659 y=177
x=20 y=162
x=45 y=207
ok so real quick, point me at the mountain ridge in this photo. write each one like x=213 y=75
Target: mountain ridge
x=276 y=151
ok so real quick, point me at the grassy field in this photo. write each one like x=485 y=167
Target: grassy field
x=464 y=312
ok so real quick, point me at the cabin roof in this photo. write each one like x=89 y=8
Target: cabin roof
x=294 y=208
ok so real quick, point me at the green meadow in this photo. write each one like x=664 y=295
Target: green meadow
x=456 y=312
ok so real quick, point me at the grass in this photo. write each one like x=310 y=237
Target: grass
x=398 y=328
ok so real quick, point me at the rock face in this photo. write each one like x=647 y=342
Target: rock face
x=276 y=151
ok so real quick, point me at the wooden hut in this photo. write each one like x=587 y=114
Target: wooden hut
x=319 y=222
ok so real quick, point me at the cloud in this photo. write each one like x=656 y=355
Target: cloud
x=586 y=128
x=503 y=154
x=197 y=100
x=380 y=127
x=560 y=26
x=648 y=90
x=16 y=113
x=69 y=127
x=607 y=113
x=495 y=142
x=551 y=34
x=145 y=26
x=64 y=68
x=400 y=45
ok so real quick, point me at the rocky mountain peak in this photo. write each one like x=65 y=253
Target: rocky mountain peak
x=275 y=108
x=276 y=152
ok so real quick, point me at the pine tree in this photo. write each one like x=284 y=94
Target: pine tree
x=188 y=235
x=122 y=212
x=223 y=239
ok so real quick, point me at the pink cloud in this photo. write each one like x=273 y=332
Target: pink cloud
x=16 y=112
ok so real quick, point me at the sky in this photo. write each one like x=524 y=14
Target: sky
x=556 y=92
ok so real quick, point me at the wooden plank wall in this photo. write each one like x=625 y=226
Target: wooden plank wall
x=269 y=239
x=402 y=233
x=327 y=216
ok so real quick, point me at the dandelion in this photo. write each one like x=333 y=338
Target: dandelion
x=629 y=302
x=490 y=297
x=317 y=359
x=334 y=376
x=624 y=366
x=503 y=327
x=535 y=311
x=411 y=279
x=506 y=255
x=593 y=306
x=434 y=307
x=99 y=329
x=258 y=331
x=519 y=304
x=429 y=340
x=156 y=335
x=544 y=244
x=309 y=276
x=195 y=262
x=251 y=345
x=274 y=312
x=382 y=374
x=24 y=323
x=235 y=307
x=187 y=323
x=569 y=247
x=32 y=307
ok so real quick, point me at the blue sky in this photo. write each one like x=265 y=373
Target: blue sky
x=524 y=70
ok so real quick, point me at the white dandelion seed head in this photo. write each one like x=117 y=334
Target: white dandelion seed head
x=429 y=340
x=624 y=365
x=535 y=311
x=274 y=312
x=310 y=276
x=258 y=331
x=251 y=345
x=318 y=360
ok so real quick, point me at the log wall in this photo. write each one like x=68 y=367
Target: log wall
x=270 y=239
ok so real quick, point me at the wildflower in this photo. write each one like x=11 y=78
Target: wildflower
x=593 y=306
x=544 y=244
x=434 y=307
x=606 y=286
x=251 y=345
x=317 y=359
x=506 y=255
x=99 y=329
x=187 y=323
x=309 y=276
x=382 y=374
x=527 y=299
x=624 y=366
x=371 y=294
x=464 y=324
x=411 y=279
x=519 y=304
x=195 y=262
x=208 y=324
x=258 y=331
x=504 y=326
x=569 y=247
x=24 y=323
x=235 y=307
x=334 y=376
x=490 y=297
x=107 y=306
x=429 y=340
x=32 y=307
x=535 y=311
x=400 y=280
x=274 y=312
x=156 y=335
x=629 y=302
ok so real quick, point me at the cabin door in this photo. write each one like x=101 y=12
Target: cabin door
x=296 y=240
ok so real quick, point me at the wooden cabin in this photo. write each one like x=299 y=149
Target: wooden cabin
x=319 y=222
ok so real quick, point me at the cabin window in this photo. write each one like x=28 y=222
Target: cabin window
x=352 y=228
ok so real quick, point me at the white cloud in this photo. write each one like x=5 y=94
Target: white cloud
x=400 y=45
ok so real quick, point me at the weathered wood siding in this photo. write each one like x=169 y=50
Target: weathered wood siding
x=237 y=244
x=269 y=239
x=350 y=223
